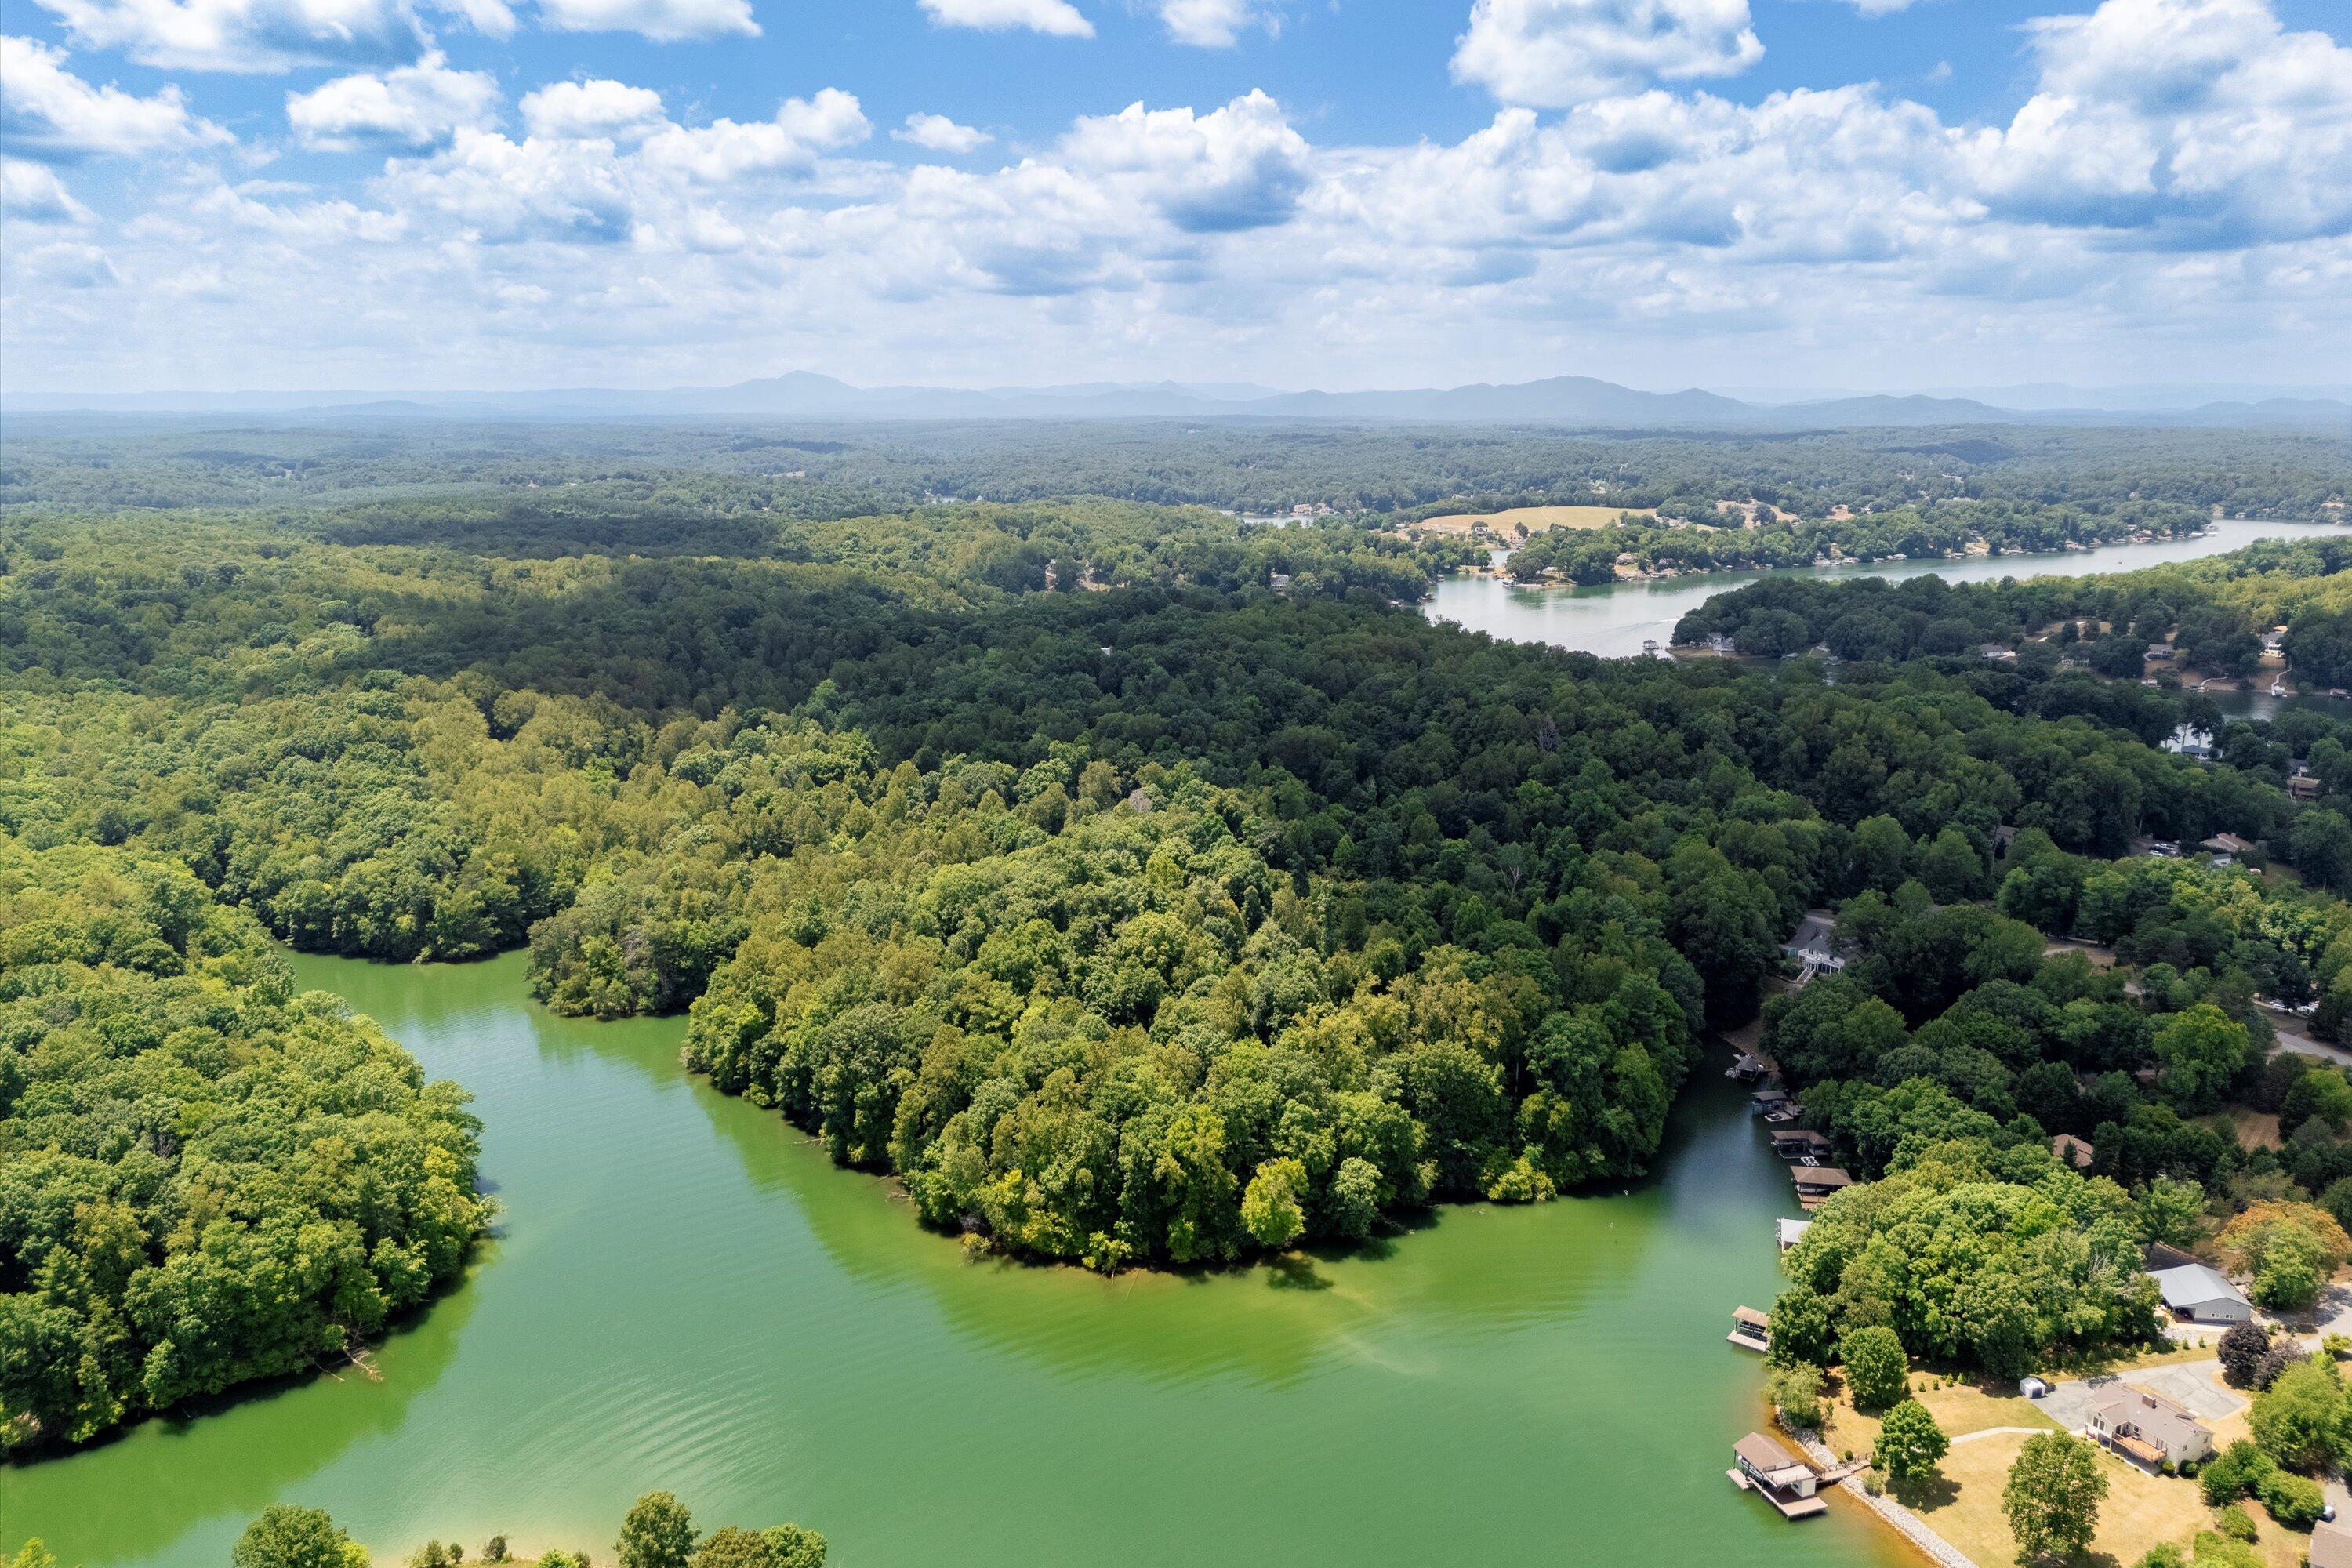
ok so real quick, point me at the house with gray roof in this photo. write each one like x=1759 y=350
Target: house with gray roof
x=2148 y=1429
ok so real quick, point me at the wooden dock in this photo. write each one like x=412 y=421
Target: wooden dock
x=1791 y=1508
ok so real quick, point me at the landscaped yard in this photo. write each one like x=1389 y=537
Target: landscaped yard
x=1962 y=1408
x=1964 y=1505
x=2141 y=1510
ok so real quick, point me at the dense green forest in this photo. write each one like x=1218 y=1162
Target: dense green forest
x=205 y=1178
x=730 y=481
x=1135 y=885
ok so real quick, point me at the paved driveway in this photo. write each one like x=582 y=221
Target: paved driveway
x=2190 y=1385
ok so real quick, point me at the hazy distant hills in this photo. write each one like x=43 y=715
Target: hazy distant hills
x=1569 y=400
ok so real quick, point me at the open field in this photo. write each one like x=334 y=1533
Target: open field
x=1534 y=518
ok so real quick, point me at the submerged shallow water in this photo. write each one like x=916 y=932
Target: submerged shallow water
x=1615 y=619
x=684 y=1293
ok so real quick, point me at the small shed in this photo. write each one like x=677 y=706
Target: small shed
x=1788 y=1232
x=1750 y=1329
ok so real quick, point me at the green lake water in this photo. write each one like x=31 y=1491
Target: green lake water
x=684 y=1293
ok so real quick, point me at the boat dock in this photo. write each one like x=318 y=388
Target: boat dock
x=1761 y=1465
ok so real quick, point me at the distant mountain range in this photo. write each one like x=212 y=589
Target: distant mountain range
x=1575 y=401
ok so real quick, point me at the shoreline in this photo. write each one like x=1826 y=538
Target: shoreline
x=1973 y=550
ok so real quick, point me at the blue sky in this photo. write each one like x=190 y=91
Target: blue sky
x=1802 y=193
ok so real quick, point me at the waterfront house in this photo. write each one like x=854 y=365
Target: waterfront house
x=2069 y=1150
x=1750 y=1329
x=2148 y=1429
x=2197 y=1293
x=1788 y=1483
x=1813 y=943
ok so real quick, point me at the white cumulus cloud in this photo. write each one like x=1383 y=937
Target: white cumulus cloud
x=1058 y=17
x=270 y=34
x=937 y=133
x=665 y=21
x=1553 y=53
x=1217 y=23
x=600 y=107
x=725 y=149
x=47 y=111
x=2194 y=121
x=36 y=195
x=2171 y=183
x=407 y=109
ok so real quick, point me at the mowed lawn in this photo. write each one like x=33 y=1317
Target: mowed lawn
x=2141 y=1510
x=1534 y=518
x=1963 y=1505
x=1958 y=1409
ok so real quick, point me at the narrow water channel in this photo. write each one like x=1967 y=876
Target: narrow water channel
x=684 y=1294
x=1615 y=619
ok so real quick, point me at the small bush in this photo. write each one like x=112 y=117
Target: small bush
x=2275 y=1361
x=2236 y=1523
x=2234 y=1473
x=2241 y=1351
x=1796 y=1395
x=2295 y=1501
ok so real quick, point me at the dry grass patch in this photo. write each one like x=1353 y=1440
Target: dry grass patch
x=1960 y=1409
x=1535 y=519
x=2253 y=1129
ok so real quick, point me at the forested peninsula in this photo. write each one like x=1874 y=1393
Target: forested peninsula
x=1136 y=887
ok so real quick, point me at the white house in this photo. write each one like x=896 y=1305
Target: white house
x=2195 y=1294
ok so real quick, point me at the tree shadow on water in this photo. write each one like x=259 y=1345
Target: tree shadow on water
x=1295 y=1271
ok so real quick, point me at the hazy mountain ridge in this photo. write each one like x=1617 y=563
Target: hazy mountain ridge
x=1569 y=400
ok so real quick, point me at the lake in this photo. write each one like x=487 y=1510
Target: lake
x=684 y=1293
x=1614 y=619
